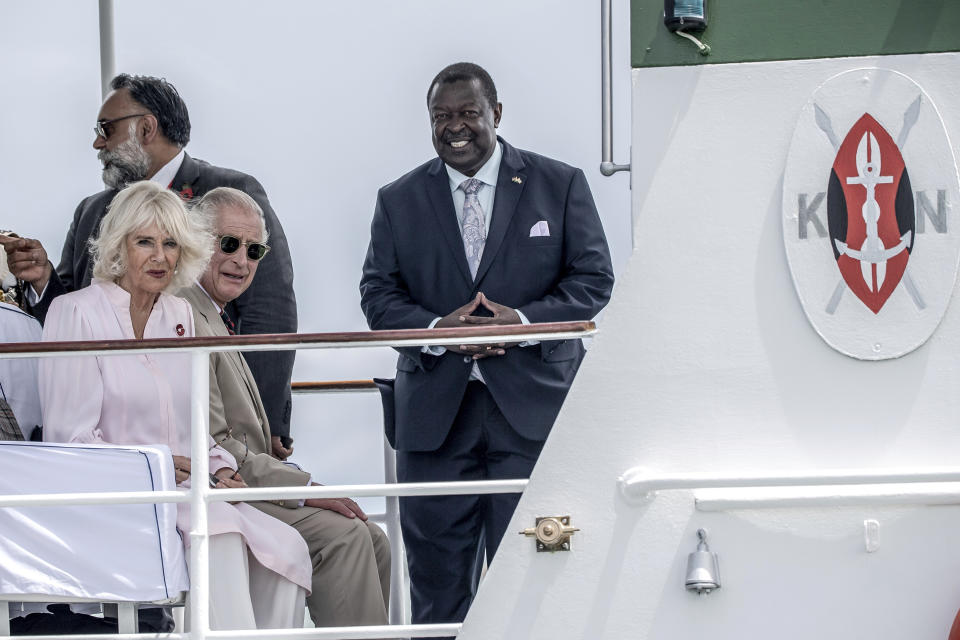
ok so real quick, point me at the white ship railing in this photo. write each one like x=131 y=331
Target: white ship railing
x=803 y=488
x=200 y=494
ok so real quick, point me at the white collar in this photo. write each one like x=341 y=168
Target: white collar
x=487 y=174
x=164 y=177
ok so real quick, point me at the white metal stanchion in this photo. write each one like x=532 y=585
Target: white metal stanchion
x=398 y=561
x=199 y=488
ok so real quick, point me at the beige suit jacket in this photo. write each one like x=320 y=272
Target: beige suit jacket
x=238 y=421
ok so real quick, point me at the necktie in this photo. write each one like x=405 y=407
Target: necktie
x=472 y=224
x=231 y=328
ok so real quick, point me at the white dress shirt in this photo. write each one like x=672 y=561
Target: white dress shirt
x=164 y=177
x=487 y=174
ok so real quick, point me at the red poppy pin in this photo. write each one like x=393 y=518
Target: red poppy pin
x=180 y=330
x=186 y=191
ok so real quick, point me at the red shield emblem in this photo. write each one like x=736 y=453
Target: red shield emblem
x=870 y=212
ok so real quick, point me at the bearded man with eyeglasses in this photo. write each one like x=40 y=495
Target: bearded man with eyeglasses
x=351 y=556
x=141 y=132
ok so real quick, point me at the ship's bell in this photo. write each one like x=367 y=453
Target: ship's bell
x=703 y=572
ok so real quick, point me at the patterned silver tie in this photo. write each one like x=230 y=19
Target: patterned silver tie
x=472 y=224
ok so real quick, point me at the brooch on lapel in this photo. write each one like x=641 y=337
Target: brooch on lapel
x=186 y=192
x=517 y=179
x=180 y=330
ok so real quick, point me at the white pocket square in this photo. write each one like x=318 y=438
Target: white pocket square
x=540 y=229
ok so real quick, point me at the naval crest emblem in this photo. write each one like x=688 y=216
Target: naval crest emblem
x=870 y=212
x=870 y=191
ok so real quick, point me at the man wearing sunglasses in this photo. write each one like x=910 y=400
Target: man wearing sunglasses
x=351 y=556
x=140 y=134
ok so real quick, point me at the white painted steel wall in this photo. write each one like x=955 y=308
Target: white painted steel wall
x=706 y=362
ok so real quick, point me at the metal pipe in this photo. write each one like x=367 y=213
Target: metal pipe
x=850 y=496
x=398 y=563
x=472 y=487
x=114 y=636
x=199 y=491
x=100 y=497
x=343 y=633
x=108 y=60
x=346 y=633
x=607 y=166
x=638 y=484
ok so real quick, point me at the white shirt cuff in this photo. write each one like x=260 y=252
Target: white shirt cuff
x=302 y=501
x=32 y=296
x=523 y=319
x=433 y=350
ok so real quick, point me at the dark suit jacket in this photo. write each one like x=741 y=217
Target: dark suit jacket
x=238 y=421
x=416 y=270
x=268 y=306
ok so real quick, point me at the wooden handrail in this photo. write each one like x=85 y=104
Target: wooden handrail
x=416 y=336
x=336 y=385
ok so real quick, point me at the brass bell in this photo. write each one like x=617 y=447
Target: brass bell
x=703 y=571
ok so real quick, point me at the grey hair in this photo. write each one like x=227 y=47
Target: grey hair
x=138 y=206
x=210 y=204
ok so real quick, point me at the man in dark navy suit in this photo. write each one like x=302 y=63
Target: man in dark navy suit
x=484 y=234
x=141 y=131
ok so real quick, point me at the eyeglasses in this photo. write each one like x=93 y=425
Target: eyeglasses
x=103 y=128
x=255 y=250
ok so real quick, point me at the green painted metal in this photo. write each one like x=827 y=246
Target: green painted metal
x=757 y=30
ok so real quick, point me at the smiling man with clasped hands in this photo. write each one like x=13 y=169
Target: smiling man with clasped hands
x=483 y=234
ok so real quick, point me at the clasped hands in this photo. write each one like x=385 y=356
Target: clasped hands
x=27 y=261
x=227 y=478
x=462 y=318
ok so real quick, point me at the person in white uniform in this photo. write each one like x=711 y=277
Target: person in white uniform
x=18 y=376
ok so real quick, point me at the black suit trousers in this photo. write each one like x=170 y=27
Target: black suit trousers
x=446 y=536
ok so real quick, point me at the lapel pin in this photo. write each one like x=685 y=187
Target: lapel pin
x=180 y=330
x=517 y=179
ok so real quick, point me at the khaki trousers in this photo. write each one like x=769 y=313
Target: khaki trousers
x=351 y=565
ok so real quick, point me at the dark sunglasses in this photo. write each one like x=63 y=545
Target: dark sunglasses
x=104 y=128
x=255 y=250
